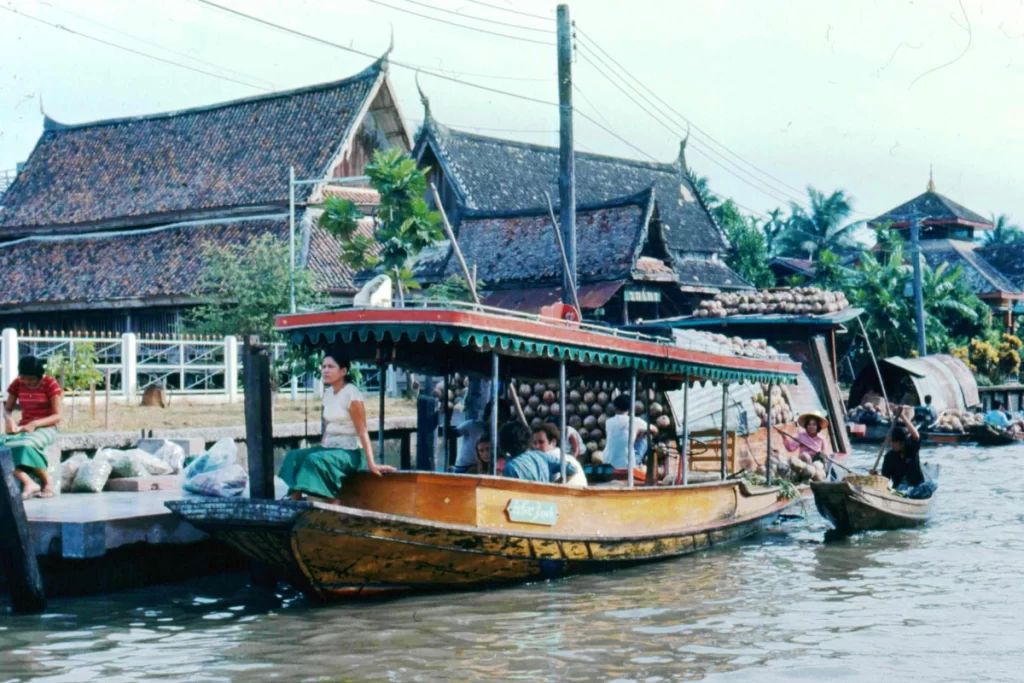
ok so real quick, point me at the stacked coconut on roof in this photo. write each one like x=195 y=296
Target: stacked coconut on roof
x=793 y=301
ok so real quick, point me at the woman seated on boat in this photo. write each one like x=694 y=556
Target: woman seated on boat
x=997 y=416
x=620 y=441
x=484 y=453
x=525 y=462
x=547 y=439
x=809 y=441
x=345 y=446
x=902 y=464
x=39 y=397
x=470 y=433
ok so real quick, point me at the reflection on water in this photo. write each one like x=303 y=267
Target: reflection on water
x=939 y=603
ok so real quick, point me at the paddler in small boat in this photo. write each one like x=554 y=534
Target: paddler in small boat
x=525 y=461
x=902 y=464
x=809 y=440
x=345 y=447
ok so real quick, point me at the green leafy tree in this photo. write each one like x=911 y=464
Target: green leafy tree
x=830 y=273
x=749 y=255
x=405 y=225
x=78 y=370
x=1003 y=232
x=773 y=228
x=247 y=287
x=454 y=288
x=807 y=233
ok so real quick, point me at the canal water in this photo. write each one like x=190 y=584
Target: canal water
x=944 y=603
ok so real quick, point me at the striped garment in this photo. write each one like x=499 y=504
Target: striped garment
x=35 y=402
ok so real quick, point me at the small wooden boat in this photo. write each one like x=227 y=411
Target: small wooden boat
x=988 y=435
x=413 y=531
x=852 y=507
x=877 y=433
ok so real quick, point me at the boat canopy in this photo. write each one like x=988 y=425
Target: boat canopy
x=438 y=339
x=945 y=378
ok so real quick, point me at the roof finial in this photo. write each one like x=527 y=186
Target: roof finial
x=931 y=179
x=423 y=98
x=681 y=159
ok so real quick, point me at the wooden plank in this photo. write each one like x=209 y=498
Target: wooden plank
x=830 y=391
x=259 y=420
x=17 y=557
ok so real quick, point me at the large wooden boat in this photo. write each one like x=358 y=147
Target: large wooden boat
x=853 y=508
x=426 y=530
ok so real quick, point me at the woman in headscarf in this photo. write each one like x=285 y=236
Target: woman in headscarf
x=39 y=397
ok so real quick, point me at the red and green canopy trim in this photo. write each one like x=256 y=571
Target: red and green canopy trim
x=529 y=338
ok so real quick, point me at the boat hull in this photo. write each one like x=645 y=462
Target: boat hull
x=851 y=508
x=335 y=551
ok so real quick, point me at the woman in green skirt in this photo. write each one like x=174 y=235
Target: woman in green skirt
x=345 y=447
x=39 y=397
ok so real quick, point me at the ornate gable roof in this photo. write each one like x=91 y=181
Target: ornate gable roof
x=932 y=208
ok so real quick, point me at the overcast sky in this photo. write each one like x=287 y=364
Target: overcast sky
x=861 y=95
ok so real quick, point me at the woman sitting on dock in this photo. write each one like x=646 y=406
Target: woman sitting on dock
x=525 y=462
x=345 y=447
x=39 y=396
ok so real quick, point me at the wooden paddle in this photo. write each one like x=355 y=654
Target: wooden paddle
x=812 y=449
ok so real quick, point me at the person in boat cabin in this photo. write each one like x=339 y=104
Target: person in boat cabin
x=997 y=416
x=902 y=464
x=484 y=453
x=471 y=431
x=809 y=441
x=345 y=446
x=526 y=462
x=926 y=415
x=39 y=397
x=547 y=439
x=618 y=438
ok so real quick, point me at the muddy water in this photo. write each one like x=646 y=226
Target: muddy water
x=945 y=603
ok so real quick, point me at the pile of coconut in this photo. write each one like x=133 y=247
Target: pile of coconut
x=752 y=348
x=796 y=300
x=958 y=421
x=780 y=408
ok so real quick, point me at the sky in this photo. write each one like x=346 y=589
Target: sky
x=861 y=96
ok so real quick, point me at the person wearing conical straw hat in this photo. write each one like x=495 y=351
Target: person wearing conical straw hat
x=809 y=441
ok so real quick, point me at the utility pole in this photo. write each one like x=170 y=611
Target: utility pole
x=566 y=157
x=915 y=255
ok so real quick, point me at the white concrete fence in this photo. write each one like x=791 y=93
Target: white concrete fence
x=188 y=365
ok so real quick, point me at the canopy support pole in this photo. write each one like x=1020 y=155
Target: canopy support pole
x=630 y=446
x=561 y=416
x=495 y=450
x=382 y=375
x=446 y=417
x=652 y=460
x=684 y=447
x=725 y=430
x=768 y=442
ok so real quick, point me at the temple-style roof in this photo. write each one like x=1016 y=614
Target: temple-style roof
x=982 y=277
x=493 y=174
x=146 y=265
x=519 y=247
x=194 y=163
x=1007 y=259
x=932 y=208
x=706 y=275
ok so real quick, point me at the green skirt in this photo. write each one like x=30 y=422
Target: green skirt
x=27 y=450
x=318 y=471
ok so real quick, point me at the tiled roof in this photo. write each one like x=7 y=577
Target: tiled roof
x=981 y=276
x=227 y=155
x=521 y=248
x=697 y=273
x=799 y=265
x=1008 y=259
x=930 y=207
x=492 y=174
x=142 y=264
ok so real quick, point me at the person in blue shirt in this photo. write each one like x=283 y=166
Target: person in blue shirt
x=524 y=462
x=997 y=416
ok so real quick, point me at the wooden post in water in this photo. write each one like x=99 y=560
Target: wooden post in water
x=17 y=556
x=725 y=430
x=259 y=424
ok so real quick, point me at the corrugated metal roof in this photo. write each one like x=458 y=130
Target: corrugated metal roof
x=843 y=316
x=532 y=300
x=705 y=407
x=931 y=378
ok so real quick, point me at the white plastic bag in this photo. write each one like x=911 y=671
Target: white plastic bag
x=92 y=475
x=69 y=468
x=172 y=454
x=125 y=464
x=221 y=454
x=224 y=482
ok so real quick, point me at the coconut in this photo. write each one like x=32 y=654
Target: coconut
x=602 y=420
x=575 y=396
x=602 y=398
x=596 y=434
x=576 y=421
x=589 y=397
x=536 y=423
x=555 y=410
x=582 y=409
x=664 y=421
x=548 y=397
x=591 y=448
x=529 y=413
x=543 y=410
x=597 y=457
x=609 y=409
x=590 y=422
x=602 y=443
x=533 y=401
x=596 y=409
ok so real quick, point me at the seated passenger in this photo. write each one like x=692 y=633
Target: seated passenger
x=484 y=454
x=525 y=462
x=547 y=439
x=926 y=415
x=809 y=441
x=619 y=440
x=345 y=447
x=997 y=416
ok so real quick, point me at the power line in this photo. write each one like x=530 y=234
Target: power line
x=128 y=49
x=468 y=28
x=144 y=41
x=494 y=130
x=511 y=11
x=677 y=113
x=764 y=187
x=397 y=63
x=489 y=21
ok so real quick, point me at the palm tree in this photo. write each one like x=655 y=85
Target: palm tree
x=1004 y=232
x=773 y=227
x=808 y=233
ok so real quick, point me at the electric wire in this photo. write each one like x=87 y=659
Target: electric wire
x=131 y=50
x=476 y=18
x=511 y=11
x=468 y=28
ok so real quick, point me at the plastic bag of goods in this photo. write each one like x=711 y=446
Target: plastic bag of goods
x=221 y=454
x=124 y=464
x=172 y=454
x=224 y=482
x=92 y=475
x=69 y=468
